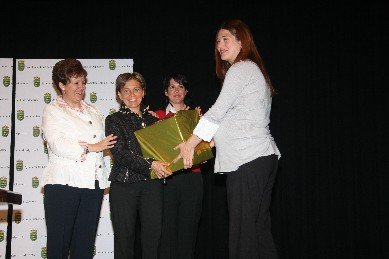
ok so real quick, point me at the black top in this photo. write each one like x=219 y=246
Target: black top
x=128 y=164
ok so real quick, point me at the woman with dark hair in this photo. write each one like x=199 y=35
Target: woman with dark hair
x=238 y=122
x=76 y=176
x=183 y=193
x=132 y=191
x=176 y=90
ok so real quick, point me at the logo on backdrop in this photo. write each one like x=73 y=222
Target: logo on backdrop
x=1 y=235
x=5 y=131
x=44 y=252
x=112 y=64
x=19 y=165
x=37 y=81
x=18 y=217
x=6 y=81
x=20 y=115
x=47 y=98
x=21 y=65
x=33 y=234
x=35 y=182
x=3 y=182
x=36 y=131
x=93 y=97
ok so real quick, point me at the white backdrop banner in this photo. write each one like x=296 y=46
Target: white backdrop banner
x=34 y=90
x=5 y=140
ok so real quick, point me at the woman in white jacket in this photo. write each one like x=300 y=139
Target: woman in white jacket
x=75 y=177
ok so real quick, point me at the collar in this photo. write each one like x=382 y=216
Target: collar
x=170 y=108
x=63 y=104
x=125 y=110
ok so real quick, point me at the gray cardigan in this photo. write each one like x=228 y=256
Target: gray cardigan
x=239 y=120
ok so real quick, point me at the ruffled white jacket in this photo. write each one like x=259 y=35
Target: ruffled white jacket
x=63 y=128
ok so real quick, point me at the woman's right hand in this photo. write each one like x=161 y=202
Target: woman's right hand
x=198 y=109
x=160 y=169
x=153 y=113
x=105 y=143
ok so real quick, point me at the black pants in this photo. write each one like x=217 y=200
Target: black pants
x=126 y=201
x=249 y=194
x=183 y=196
x=72 y=215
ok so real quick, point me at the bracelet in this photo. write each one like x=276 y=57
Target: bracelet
x=86 y=149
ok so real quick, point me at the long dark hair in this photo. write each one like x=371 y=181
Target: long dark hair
x=249 y=51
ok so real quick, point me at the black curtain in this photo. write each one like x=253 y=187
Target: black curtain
x=327 y=62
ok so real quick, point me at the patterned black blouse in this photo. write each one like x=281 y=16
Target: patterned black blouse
x=128 y=164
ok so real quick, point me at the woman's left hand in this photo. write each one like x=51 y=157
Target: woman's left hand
x=160 y=169
x=186 y=153
x=103 y=144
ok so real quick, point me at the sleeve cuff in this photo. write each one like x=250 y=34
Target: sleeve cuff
x=205 y=129
x=84 y=153
x=150 y=161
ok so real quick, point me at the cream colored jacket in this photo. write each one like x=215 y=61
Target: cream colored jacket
x=62 y=128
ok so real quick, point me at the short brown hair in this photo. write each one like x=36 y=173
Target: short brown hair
x=122 y=79
x=65 y=69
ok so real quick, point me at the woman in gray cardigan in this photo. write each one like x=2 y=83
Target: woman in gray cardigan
x=238 y=123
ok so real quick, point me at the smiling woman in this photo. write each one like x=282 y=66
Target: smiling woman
x=132 y=191
x=183 y=193
x=76 y=176
x=132 y=94
x=238 y=123
x=74 y=91
x=228 y=46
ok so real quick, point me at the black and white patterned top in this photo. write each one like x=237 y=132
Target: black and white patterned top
x=128 y=164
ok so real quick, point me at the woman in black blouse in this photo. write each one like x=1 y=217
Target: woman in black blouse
x=132 y=191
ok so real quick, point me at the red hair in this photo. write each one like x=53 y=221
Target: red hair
x=249 y=51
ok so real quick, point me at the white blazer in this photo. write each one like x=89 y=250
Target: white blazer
x=62 y=128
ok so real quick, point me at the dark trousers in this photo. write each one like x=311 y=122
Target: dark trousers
x=183 y=196
x=72 y=215
x=249 y=194
x=126 y=201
